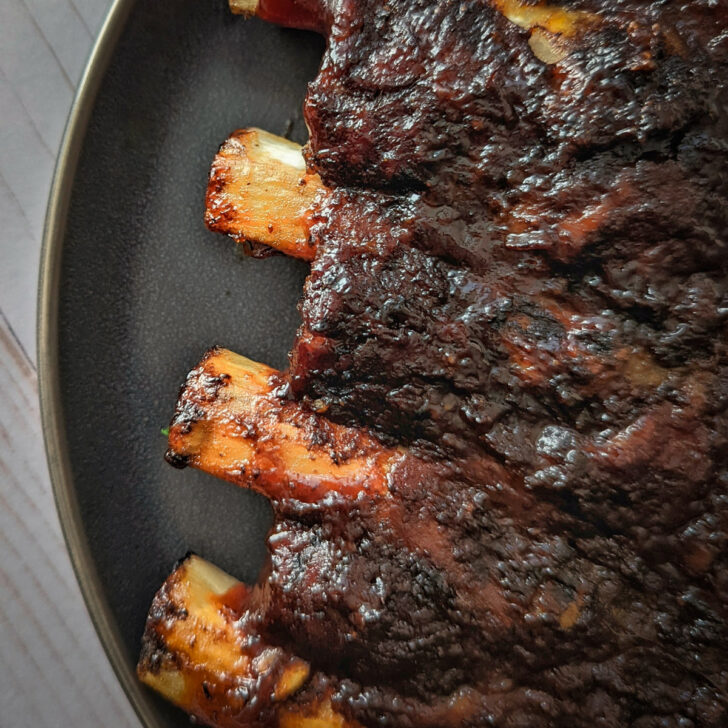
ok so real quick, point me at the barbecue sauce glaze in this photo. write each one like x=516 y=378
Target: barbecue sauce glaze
x=521 y=276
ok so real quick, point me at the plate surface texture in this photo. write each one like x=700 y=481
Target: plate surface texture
x=134 y=289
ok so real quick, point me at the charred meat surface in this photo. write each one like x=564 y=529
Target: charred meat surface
x=518 y=301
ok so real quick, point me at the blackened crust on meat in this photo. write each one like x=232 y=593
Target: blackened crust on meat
x=521 y=277
x=521 y=268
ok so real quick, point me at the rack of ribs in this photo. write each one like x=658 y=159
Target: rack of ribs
x=499 y=458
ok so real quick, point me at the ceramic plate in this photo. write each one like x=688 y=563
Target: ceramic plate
x=134 y=289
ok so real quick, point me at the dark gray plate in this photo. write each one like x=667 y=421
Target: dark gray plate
x=134 y=289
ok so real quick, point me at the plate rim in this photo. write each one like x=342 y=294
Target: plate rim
x=47 y=340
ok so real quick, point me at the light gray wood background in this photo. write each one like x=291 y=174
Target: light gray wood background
x=53 y=671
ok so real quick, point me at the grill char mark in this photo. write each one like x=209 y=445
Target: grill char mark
x=520 y=275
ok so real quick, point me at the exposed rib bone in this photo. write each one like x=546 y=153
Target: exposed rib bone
x=247 y=8
x=197 y=651
x=229 y=422
x=259 y=192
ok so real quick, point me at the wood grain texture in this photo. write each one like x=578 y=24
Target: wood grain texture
x=43 y=48
x=52 y=664
x=53 y=671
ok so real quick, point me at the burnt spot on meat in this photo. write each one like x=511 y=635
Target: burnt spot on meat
x=521 y=262
x=519 y=304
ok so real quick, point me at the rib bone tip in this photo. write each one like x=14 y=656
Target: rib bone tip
x=244 y=7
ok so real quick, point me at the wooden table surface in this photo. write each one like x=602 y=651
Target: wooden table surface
x=53 y=671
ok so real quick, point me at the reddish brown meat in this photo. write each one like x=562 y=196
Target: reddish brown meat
x=521 y=274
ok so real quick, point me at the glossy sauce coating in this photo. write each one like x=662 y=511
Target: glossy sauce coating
x=526 y=261
x=520 y=276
